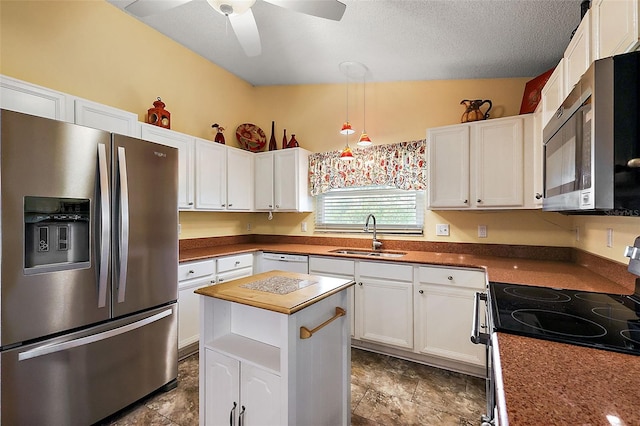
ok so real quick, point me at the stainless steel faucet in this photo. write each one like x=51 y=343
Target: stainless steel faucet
x=375 y=244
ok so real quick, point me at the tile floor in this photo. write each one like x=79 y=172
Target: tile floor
x=384 y=391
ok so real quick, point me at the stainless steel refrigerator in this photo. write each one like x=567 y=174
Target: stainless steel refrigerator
x=89 y=259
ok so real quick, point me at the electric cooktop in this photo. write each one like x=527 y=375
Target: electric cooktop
x=599 y=320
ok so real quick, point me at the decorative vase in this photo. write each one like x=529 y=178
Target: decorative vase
x=293 y=143
x=284 y=139
x=272 y=141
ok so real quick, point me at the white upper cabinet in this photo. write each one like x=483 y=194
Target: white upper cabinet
x=282 y=181
x=27 y=98
x=615 y=27
x=239 y=179
x=211 y=175
x=578 y=53
x=553 y=93
x=185 y=145
x=103 y=117
x=448 y=154
x=481 y=165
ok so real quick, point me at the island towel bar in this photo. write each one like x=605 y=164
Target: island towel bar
x=305 y=333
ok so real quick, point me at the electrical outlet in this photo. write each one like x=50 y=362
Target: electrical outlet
x=303 y=226
x=248 y=226
x=482 y=231
x=442 y=229
x=609 y=237
x=578 y=233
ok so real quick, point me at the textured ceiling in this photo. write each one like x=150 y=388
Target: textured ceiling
x=397 y=40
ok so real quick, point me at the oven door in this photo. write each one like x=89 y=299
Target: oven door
x=483 y=338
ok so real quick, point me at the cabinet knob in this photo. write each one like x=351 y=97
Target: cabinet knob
x=190 y=203
x=538 y=195
x=220 y=280
x=213 y=281
x=479 y=200
x=191 y=271
x=224 y=205
x=230 y=204
x=465 y=201
x=270 y=206
x=450 y=278
x=237 y=262
x=277 y=206
x=421 y=291
x=360 y=283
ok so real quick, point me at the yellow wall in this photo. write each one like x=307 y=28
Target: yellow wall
x=92 y=50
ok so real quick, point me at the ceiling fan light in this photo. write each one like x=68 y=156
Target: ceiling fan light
x=346 y=129
x=231 y=7
x=364 y=140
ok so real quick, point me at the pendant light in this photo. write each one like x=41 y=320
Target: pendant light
x=349 y=69
x=364 y=140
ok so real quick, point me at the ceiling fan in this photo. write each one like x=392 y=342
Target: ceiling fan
x=241 y=17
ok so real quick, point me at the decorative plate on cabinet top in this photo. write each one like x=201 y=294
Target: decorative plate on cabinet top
x=251 y=137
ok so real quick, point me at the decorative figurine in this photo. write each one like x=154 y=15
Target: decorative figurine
x=219 y=135
x=158 y=116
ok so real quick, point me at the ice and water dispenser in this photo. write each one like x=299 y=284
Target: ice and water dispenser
x=56 y=234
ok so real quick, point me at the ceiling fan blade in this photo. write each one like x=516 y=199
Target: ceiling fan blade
x=244 y=25
x=151 y=7
x=328 y=9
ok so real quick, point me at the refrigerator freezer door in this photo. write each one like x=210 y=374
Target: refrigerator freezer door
x=52 y=227
x=145 y=228
x=85 y=376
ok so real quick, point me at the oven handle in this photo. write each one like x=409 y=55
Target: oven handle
x=476 y=336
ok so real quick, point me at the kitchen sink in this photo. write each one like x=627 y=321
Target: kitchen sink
x=369 y=253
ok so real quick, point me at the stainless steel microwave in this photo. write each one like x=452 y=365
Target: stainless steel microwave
x=592 y=144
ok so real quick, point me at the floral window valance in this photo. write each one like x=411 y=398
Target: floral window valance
x=401 y=165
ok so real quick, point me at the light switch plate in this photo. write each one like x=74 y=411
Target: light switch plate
x=482 y=231
x=442 y=229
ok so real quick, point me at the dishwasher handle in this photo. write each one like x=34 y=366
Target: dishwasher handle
x=476 y=336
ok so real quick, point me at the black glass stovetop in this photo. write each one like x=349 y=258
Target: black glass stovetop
x=605 y=321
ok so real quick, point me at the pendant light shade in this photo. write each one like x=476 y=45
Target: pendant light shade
x=364 y=140
x=346 y=129
x=346 y=153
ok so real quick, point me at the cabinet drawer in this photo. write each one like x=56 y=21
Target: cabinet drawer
x=235 y=262
x=333 y=266
x=187 y=271
x=471 y=278
x=234 y=274
x=386 y=271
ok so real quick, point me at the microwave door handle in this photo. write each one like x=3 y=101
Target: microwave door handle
x=123 y=241
x=105 y=227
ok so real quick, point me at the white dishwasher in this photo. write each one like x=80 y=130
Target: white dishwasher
x=284 y=262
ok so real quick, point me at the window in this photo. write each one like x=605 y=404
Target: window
x=345 y=210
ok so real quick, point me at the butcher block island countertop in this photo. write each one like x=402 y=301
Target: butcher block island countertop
x=278 y=291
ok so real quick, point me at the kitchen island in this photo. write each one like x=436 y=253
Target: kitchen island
x=275 y=349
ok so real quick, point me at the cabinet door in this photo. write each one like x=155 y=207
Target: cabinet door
x=264 y=181
x=259 y=396
x=448 y=156
x=211 y=176
x=498 y=166
x=578 y=53
x=103 y=117
x=537 y=144
x=443 y=323
x=384 y=297
x=239 y=179
x=185 y=145
x=285 y=180
x=553 y=93
x=27 y=98
x=615 y=27
x=337 y=268
x=222 y=389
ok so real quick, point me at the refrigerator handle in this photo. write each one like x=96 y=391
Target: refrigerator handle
x=65 y=346
x=105 y=227
x=123 y=241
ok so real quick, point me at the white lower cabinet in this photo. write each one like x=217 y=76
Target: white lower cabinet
x=240 y=393
x=384 y=303
x=337 y=268
x=191 y=276
x=444 y=301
